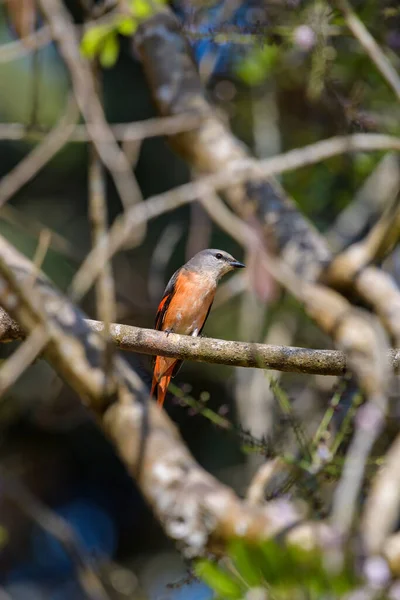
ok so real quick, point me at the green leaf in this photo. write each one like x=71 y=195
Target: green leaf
x=141 y=8
x=221 y=582
x=127 y=26
x=246 y=563
x=93 y=39
x=276 y=564
x=251 y=72
x=256 y=67
x=109 y=52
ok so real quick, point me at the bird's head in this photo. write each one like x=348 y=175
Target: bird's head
x=215 y=262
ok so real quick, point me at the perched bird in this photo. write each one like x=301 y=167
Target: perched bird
x=185 y=306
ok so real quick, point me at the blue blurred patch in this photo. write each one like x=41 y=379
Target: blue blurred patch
x=190 y=591
x=211 y=20
x=94 y=530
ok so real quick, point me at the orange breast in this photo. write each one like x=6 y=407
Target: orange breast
x=189 y=305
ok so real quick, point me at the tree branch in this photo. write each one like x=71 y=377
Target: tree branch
x=290 y=359
x=236 y=172
x=370 y=46
x=83 y=84
x=196 y=511
x=134 y=131
x=27 y=168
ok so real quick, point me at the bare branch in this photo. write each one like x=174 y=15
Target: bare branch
x=28 y=224
x=382 y=507
x=136 y=131
x=350 y=270
x=98 y=215
x=24 y=47
x=235 y=173
x=289 y=359
x=374 y=247
x=85 y=93
x=27 y=168
x=256 y=491
x=369 y=425
x=194 y=508
x=370 y=46
x=376 y=192
x=212 y=149
x=22 y=358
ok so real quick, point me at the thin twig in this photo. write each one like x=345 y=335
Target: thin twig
x=370 y=46
x=170 y=478
x=24 y=47
x=22 y=358
x=377 y=190
x=256 y=490
x=34 y=345
x=40 y=254
x=326 y=420
x=29 y=225
x=381 y=512
x=98 y=216
x=369 y=424
x=238 y=172
x=114 y=159
x=160 y=257
x=27 y=168
x=384 y=235
x=134 y=131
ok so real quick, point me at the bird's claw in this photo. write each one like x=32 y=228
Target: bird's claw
x=168 y=331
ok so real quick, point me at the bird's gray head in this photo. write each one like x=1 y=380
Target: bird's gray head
x=215 y=262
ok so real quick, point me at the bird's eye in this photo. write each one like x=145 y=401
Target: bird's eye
x=218 y=255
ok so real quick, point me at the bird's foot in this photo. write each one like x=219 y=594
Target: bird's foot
x=168 y=331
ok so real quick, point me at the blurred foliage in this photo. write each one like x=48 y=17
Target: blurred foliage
x=284 y=71
x=256 y=68
x=282 y=572
x=102 y=40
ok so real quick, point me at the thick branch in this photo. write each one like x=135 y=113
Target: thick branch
x=263 y=203
x=195 y=509
x=289 y=359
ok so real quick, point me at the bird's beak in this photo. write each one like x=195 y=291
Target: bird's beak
x=237 y=265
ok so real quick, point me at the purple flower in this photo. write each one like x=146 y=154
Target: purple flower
x=304 y=37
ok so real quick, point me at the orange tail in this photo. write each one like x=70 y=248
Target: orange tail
x=161 y=378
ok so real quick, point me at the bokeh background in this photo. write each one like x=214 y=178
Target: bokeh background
x=285 y=74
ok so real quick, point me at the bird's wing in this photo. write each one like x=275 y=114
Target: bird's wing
x=162 y=310
x=165 y=301
x=205 y=318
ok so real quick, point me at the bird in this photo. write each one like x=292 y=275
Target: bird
x=185 y=306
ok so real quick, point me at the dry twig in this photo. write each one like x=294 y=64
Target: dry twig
x=370 y=46
x=27 y=168
x=24 y=47
x=136 y=131
x=211 y=149
x=256 y=491
x=195 y=510
x=98 y=216
x=21 y=358
x=381 y=512
x=236 y=172
x=85 y=93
